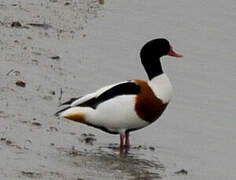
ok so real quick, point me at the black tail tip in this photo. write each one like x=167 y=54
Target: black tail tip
x=57 y=114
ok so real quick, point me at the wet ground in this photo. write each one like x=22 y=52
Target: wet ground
x=54 y=50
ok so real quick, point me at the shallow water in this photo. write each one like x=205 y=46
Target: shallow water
x=196 y=133
x=109 y=162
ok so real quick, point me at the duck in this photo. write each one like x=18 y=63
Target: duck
x=130 y=105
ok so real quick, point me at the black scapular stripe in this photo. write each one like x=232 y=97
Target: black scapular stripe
x=127 y=88
x=118 y=90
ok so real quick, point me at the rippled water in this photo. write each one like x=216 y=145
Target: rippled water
x=111 y=162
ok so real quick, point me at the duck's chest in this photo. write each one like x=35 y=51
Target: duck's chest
x=153 y=98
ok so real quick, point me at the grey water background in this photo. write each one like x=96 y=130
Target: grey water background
x=197 y=131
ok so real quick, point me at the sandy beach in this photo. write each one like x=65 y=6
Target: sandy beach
x=52 y=50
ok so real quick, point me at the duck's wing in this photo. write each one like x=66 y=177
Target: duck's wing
x=124 y=88
x=104 y=94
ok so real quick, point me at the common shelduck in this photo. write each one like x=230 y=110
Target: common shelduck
x=130 y=105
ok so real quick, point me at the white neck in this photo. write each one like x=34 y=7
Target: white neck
x=162 y=87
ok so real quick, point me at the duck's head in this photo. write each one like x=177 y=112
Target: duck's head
x=151 y=53
x=158 y=48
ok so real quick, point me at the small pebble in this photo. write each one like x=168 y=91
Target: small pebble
x=89 y=140
x=55 y=57
x=101 y=1
x=36 y=124
x=152 y=148
x=52 y=92
x=20 y=83
x=3 y=139
x=8 y=142
x=182 y=171
x=16 y=24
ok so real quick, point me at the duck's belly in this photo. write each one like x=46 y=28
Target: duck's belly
x=117 y=115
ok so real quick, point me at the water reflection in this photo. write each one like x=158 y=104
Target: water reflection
x=134 y=163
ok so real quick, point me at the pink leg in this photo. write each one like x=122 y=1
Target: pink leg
x=127 y=143
x=122 y=137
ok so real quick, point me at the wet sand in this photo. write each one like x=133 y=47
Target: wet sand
x=91 y=46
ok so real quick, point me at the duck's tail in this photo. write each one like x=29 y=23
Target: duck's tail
x=73 y=113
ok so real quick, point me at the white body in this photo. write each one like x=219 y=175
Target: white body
x=118 y=114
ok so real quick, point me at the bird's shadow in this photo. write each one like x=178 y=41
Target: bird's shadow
x=137 y=162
